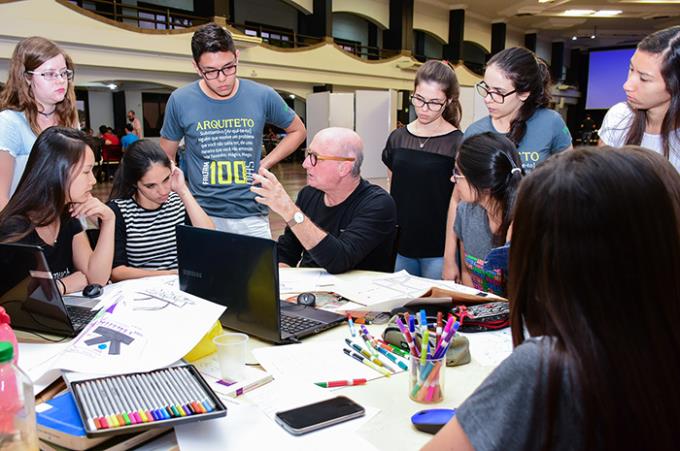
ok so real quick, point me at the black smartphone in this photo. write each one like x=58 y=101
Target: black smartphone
x=312 y=417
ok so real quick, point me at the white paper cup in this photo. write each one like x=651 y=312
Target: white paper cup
x=231 y=354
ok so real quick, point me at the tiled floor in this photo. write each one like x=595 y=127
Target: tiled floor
x=291 y=175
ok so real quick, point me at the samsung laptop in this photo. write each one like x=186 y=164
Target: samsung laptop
x=242 y=273
x=29 y=294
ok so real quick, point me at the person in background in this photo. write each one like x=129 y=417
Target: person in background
x=487 y=174
x=38 y=94
x=150 y=198
x=579 y=377
x=516 y=91
x=339 y=221
x=129 y=137
x=108 y=137
x=650 y=116
x=52 y=200
x=420 y=158
x=587 y=128
x=136 y=124
x=221 y=118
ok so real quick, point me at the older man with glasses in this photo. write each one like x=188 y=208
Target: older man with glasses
x=340 y=221
x=221 y=118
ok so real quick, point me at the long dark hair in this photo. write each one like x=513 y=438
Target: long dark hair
x=528 y=73
x=440 y=72
x=137 y=159
x=666 y=43
x=40 y=197
x=28 y=55
x=594 y=263
x=491 y=164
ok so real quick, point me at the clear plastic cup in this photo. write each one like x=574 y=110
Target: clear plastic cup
x=426 y=381
x=231 y=354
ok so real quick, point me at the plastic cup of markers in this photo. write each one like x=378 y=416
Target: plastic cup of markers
x=231 y=354
x=426 y=380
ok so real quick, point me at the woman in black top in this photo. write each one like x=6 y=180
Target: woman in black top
x=420 y=158
x=52 y=198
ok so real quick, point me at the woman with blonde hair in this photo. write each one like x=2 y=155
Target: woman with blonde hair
x=38 y=94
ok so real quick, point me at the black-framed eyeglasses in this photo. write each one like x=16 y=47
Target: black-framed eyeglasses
x=315 y=157
x=433 y=106
x=52 y=75
x=498 y=97
x=212 y=74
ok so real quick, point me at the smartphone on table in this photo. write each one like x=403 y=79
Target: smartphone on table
x=319 y=415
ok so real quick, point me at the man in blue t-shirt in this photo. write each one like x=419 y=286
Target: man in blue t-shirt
x=129 y=137
x=221 y=118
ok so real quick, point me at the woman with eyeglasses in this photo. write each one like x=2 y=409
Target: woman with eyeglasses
x=420 y=158
x=650 y=117
x=516 y=91
x=487 y=174
x=38 y=94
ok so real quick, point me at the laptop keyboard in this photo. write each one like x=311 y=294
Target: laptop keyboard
x=79 y=316
x=296 y=324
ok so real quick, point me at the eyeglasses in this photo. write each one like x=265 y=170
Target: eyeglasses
x=51 y=75
x=419 y=102
x=315 y=157
x=483 y=90
x=214 y=73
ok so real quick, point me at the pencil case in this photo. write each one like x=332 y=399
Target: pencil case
x=457 y=354
x=134 y=402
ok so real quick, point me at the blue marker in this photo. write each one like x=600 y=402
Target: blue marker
x=352 y=330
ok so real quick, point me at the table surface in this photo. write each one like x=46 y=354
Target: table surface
x=391 y=428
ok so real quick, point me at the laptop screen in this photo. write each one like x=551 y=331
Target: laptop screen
x=237 y=271
x=28 y=292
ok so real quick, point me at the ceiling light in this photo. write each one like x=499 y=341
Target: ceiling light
x=291 y=96
x=578 y=12
x=573 y=38
x=607 y=13
x=112 y=86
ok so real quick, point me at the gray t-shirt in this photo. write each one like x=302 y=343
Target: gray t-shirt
x=502 y=413
x=546 y=134
x=472 y=227
x=223 y=141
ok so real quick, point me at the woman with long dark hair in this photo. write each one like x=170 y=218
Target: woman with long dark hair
x=38 y=94
x=487 y=174
x=650 y=117
x=150 y=198
x=52 y=200
x=594 y=313
x=516 y=91
x=420 y=158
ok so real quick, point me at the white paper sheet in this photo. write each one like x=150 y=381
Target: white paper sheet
x=37 y=361
x=252 y=425
x=369 y=291
x=296 y=280
x=147 y=324
x=490 y=348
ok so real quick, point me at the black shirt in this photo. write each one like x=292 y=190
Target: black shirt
x=59 y=255
x=361 y=231
x=421 y=187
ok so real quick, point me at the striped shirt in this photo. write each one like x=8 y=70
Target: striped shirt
x=146 y=238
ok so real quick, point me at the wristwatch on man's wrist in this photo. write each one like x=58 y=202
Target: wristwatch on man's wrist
x=297 y=218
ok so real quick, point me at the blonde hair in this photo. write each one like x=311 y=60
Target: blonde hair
x=28 y=55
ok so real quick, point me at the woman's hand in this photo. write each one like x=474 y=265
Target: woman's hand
x=177 y=181
x=92 y=208
x=74 y=282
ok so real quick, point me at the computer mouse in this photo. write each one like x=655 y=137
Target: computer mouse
x=432 y=420
x=306 y=299
x=93 y=290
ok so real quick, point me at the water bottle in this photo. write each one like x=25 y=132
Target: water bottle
x=17 y=406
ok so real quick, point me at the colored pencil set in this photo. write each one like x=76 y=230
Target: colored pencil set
x=425 y=380
x=142 y=400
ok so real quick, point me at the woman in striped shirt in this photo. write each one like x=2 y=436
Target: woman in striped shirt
x=150 y=198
